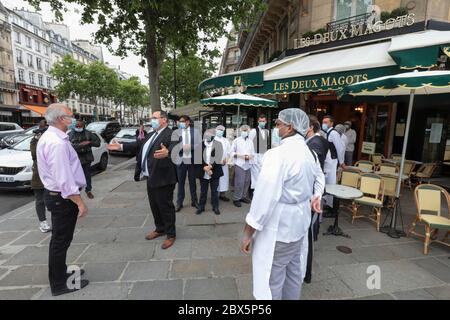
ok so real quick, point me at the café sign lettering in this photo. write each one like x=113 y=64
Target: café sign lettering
x=356 y=30
x=320 y=83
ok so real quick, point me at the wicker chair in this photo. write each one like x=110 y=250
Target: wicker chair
x=428 y=203
x=365 y=164
x=424 y=173
x=387 y=168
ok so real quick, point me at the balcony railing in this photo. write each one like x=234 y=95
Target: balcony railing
x=360 y=19
x=8 y=85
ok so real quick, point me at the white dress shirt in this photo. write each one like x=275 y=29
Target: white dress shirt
x=208 y=150
x=147 y=145
x=242 y=147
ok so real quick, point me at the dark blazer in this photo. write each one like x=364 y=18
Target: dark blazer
x=162 y=171
x=36 y=182
x=84 y=152
x=321 y=147
x=216 y=161
x=196 y=141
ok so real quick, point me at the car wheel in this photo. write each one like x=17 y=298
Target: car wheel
x=103 y=164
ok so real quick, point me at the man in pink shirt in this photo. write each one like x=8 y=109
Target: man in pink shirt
x=62 y=175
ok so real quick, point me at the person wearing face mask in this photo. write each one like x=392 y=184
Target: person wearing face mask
x=226 y=147
x=242 y=152
x=289 y=186
x=82 y=141
x=62 y=176
x=351 y=140
x=154 y=163
x=210 y=171
x=334 y=159
x=260 y=139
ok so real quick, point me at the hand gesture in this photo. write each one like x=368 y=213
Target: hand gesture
x=162 y=153
x=114 y=146
x=315 y=205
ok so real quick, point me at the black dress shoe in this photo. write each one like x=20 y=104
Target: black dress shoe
x=58 y=292
x=178 y=208
x=245 y=200
x=199 y=211
x=237 y=204
x=223 y=198
x=194 y=204
x=216 y=211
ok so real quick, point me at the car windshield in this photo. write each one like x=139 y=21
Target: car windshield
x=97 y=127
x=127 y=133
x=23 y=145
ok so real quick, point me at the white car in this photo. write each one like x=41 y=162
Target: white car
x=16 y=163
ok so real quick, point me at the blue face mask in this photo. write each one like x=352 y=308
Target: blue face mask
x=262 y=124
x=78 y=129
x=324 y=127
x=219 y=133
x=276 y=139
x=182 y=125
x=155 y=124
x=244 y=134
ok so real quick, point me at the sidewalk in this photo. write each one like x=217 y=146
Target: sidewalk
x=205 y=262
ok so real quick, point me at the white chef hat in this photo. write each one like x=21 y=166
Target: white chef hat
x=295 y=117
x=220 y=127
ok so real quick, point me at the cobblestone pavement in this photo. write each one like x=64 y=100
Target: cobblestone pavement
x=205 y=262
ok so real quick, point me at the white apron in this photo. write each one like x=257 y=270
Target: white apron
x=224 y=180
x=263 y=251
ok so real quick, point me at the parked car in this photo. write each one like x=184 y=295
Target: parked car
x=125 y=135
x=8 y=128
x=107 y=129
x=11 y=139
x=16 y=163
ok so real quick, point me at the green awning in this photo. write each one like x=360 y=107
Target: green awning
x=250 y=79
x=417 y=58
x=239 y=99
x=322 y=82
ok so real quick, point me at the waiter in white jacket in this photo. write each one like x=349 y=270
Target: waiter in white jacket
x=334 y=159
x=260 y=138
x=226 y=147
x=289 y=185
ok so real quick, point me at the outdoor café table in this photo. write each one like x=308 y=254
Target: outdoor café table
x=392 y=161
x=340 y=192
x=363 y=170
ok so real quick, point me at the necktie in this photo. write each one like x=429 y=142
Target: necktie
x=152 y=139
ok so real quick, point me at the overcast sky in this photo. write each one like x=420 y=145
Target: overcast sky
x=78 y=31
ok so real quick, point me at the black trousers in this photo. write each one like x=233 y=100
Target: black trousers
x=313 y=231
x=87 y=175
x=204 y=183
x=39 y=204
x=163 y=210
x=64 y=218
x=184 y=170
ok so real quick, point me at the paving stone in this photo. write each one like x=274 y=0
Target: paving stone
x=182 y=249
x=332 y=258
x=26 y=276
x=417 y=294
x=210 y=248
x=227 y=217
x=7 y=237
x=95 y=235
x=232 y=266
x=372 y=237
x=199 y=220
x=94 y=222
x=395 y=276
x=373 y=253
x=142 y=271
x=331 y=242
x=32 y=237
x=245 y=287
x=229 y=230
x=18 y=225
x=94 y=291
x=441 y=292
x=104 y=272
x=211 y=289
x=382 y=296
x=195 y=232
x=157 y=290
x=7 y=252
x=118 y=252
x=197 y=268
x=39 y=255
x=18 y=294
x=320 y=272
x=435 y=267
x=333 y=288
x=444 y=260
x=131 y=186
x=132 y=235
x=128 y=221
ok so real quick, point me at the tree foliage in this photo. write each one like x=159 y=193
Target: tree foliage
x=148 y=28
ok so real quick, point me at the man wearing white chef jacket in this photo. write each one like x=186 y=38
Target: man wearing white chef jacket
x=289 y=185
x=226 y=147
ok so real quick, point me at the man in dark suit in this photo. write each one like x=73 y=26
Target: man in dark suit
x=154 y=163
x=210 y=171
x=190 y=139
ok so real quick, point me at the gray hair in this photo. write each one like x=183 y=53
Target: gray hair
x=340 y=129
x=54 y=112
x=244 y=127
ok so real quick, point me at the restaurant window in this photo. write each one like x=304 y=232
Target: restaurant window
x=349 y=8
x=41 y=80
x=49 y=82
x=38 y=63
x=31 y=76
x=19 y=56
x=30 y=60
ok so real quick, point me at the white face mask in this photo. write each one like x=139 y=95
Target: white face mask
x=244 y=134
